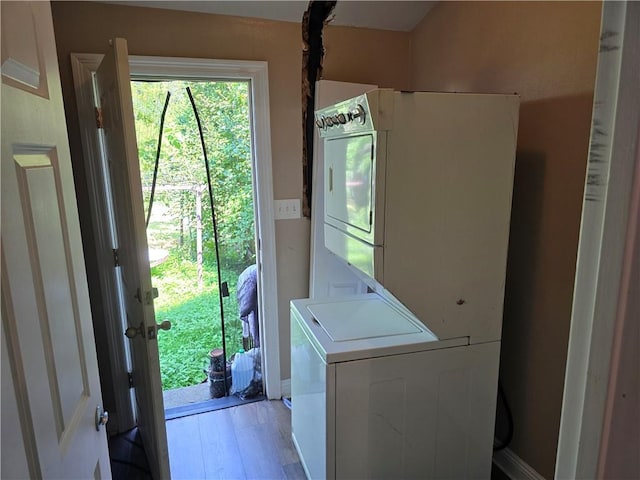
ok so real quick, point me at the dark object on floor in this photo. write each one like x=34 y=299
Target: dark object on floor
x=254 y=389
x=497 y=474
x=247 y=296
x=504 y=422
x=128 y=458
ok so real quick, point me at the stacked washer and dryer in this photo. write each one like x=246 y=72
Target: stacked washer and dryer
x=401 y=382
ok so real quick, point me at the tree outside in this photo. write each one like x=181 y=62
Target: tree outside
x=181 y=227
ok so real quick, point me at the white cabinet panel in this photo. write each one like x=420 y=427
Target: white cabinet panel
x=312 y=396
x=421 y=415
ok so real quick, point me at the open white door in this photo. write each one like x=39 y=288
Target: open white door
x=50 y=383
x=121 y=151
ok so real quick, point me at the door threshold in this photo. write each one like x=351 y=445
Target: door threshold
x=208 y=406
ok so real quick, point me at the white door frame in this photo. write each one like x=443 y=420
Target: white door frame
x=600 y=293
x=166 y=68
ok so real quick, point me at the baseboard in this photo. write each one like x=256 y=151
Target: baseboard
x=285 y=387
x=514 y=467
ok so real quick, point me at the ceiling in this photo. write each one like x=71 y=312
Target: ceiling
x=385 y=15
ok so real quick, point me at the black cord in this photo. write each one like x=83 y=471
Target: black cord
x=215 y=233
x=155 y=169
x=499 y=444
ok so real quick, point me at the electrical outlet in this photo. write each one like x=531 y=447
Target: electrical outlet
x=289 y=208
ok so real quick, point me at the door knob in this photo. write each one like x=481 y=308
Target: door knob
x=131 y=332
x=102 y=417
x=153 y=330
x=165 y=325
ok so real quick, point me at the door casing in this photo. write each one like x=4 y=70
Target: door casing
x=168 y=68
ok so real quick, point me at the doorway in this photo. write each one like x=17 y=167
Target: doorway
x=164 y=68
x=194 y=149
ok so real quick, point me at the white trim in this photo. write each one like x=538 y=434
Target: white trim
x=601 y=249
x=285 y=387
x=265 y=225
x=154 y=68
x=513 y=466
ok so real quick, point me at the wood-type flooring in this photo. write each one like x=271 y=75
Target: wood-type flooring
x=251 y=441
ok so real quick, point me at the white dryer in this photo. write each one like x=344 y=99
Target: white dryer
x=402 y=383
x=376 y=395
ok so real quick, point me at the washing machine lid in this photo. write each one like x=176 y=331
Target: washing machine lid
x=361 y=319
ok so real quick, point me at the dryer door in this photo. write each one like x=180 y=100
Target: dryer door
x=349 y=184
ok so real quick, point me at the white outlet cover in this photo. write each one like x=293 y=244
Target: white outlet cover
x=287 y=209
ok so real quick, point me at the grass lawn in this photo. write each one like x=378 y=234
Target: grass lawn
x=195 y=319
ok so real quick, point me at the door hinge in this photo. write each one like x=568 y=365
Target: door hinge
x=370 y=217
x=130 y=377
x=99 y=122
x=116 y=258
x=149 y=295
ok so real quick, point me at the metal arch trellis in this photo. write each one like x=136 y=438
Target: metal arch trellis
x=223 y=290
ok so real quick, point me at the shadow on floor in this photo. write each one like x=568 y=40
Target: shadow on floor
x=497 y=474
x=128 y=458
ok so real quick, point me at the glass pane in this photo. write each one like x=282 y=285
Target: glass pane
x=349 y=180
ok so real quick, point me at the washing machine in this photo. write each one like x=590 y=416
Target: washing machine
x=375 y=394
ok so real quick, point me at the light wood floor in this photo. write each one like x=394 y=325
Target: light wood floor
x=251 y=441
